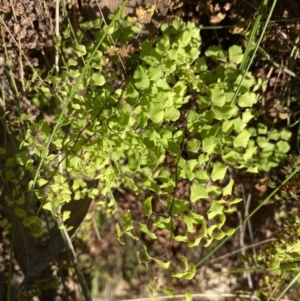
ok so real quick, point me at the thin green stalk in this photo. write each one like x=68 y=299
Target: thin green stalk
x=60 y=226
x=256 y=47
x=245 y=60
x=72 y=256
x=253 y=34
x=59 y=222
x=292 y=282
x=57 y=261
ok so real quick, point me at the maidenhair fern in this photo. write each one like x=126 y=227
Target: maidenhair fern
x=122 y=125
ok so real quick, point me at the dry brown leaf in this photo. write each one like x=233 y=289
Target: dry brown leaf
x=144 y=16
x=217 y=18
x=34 y=256
x=56 y=244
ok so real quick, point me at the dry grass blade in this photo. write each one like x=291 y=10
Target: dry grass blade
x=21 y=52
